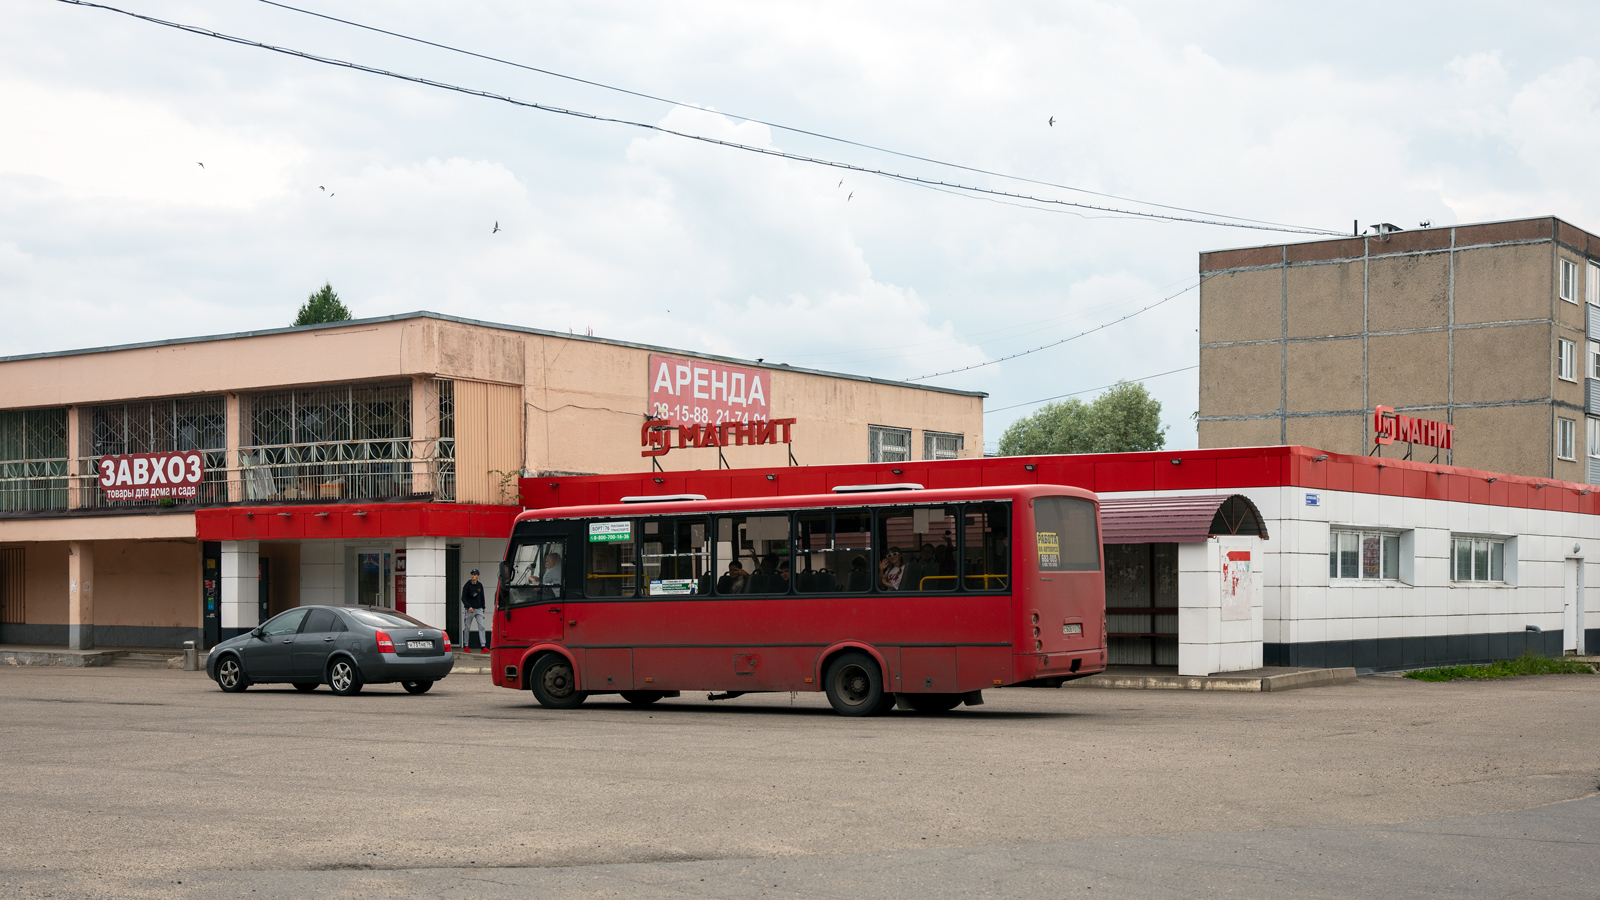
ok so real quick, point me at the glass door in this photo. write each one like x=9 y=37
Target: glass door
x=373 y=574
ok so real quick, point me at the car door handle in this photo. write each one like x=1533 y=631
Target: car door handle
x=327 y=638
x=288 y=640
x=555 y=609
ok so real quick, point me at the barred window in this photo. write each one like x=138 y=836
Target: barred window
x=33 y=459
x=886 y=444
x=156 y=426
x=938 y=445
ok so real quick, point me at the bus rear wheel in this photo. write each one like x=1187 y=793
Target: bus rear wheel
x=554 y=683
x=854 y=685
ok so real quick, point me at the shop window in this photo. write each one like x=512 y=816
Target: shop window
x=1566 y=439
x=1363 y=555
x=1566 y=366
x=986 y=547
x=754 y=554
x=937 y=445
x=1569 y=281
x=675 y=558
x=917 y=549
x=609 y=568
x=885 y=444
x=1477 y=559
x=834 y=553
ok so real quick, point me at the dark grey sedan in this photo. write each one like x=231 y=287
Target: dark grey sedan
x=345 y=647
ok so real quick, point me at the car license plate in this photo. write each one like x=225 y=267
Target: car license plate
x=419 y=645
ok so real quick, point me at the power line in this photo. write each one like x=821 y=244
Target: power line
x=1089 y=391
x=1060 y=342
x=791 y=129
x=764 y=151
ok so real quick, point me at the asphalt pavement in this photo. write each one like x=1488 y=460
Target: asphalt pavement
x=132 y=783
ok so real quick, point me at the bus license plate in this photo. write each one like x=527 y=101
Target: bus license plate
x=419 y=645
x=1072 y=628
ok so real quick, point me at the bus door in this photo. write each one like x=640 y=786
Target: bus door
x=532 y=590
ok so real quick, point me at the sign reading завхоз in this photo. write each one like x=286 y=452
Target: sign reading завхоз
x=152 y=476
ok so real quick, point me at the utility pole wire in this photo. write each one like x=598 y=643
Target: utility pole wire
x=764 y=151
x=1062 y=341
x=1089 y=390
x=788 y=128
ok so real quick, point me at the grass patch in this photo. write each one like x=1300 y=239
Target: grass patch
x=1505 y=668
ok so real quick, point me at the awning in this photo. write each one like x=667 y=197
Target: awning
x=1181 y=520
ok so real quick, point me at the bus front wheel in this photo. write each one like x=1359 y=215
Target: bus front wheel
x=554 y=683
x=854 y=685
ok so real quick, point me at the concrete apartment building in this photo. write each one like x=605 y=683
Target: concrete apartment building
x=1493 y=328
x=371 y=461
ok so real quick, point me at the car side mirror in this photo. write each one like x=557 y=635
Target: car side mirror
x=255 y=632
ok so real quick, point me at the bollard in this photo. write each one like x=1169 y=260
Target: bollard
x=191 y=657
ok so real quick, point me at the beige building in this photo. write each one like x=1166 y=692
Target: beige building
x=367 y=461
x=1489 y=327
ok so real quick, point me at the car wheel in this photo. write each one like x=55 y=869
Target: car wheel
x=416 y=687
x=344 y=677
x=929 y=703
x=642 y=698
x=855 y=686
x=554 y=683
x=305 y=687
x=230 y=675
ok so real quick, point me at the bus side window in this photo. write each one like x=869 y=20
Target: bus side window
x=834 y=553
x=925 y=540
x=852 y=551
x=609 y=566
x=754 y=554
x=986 y=547
x=815 y=541
x=675 y=558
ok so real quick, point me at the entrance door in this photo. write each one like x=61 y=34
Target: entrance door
x=263 y=589
x=372 y=578
x=211 y=592
x=1572 y=606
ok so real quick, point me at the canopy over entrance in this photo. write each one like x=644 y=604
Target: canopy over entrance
x=1181 y=520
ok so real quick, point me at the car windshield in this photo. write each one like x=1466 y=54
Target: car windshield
x=385 y=619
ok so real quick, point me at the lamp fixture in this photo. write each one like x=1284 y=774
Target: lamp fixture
x=1319 y=458
x=1580 y=494
x=659 y=480
x=1029 y=467
x=249 y=515
x=896 y=471
x=322 y=515
x=772 y=477
x=359 y=512
x=1176 y=462
x=554 y=484
x=1539 y=487
x=1492 y=480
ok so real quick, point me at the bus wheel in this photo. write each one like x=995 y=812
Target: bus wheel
x=855 y=686
x=642 y=698
x=927 y=703
x=554 y=683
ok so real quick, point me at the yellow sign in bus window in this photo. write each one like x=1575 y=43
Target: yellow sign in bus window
x=1049 y=550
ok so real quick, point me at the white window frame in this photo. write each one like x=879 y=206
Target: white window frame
x=1566 y=438
x=1489 y=543
x=1566 y=364
x=1392 y=546
x=1592 y=370
x=1569 y=281
x=1592 y=430
x=1591 y=284
x=877 y=452
x=931 y=440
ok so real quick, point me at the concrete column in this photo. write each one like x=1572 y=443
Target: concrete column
x=425 y=580
x=80 y=597
x=424 y=429
x=321 y=573
x=241 y=587
x=231 y=460
x=74 y=484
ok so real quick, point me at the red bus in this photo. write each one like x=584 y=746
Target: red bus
x=877 y=595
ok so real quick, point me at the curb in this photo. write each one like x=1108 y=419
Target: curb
x=1288 y=681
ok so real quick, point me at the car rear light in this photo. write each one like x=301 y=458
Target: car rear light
x=385 y=643
x=446 y=641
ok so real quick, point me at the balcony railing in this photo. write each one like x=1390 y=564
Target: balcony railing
x=213 y=489
x=33 y=484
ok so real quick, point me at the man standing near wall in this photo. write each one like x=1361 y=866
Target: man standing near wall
x=472 y=611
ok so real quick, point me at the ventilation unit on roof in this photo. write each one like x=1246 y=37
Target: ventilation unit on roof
x=663 y=498
x=871 y=488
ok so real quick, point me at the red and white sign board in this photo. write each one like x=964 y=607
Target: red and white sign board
x=1238 y=585
x=1388 y=427
x=152 y=476
x=698 y=392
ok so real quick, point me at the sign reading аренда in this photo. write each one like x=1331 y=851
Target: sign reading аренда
x=152 y=476
x=700 y=392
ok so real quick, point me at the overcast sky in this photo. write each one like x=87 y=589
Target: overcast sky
x=1308 y=114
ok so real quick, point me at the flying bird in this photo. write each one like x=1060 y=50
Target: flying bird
x=321 y=188
x=496 y=228
x=201 y=164
x=1052 y=122
x=852 y=194
x=841 y=182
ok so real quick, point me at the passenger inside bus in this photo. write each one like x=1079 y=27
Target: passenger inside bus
x=891 y=570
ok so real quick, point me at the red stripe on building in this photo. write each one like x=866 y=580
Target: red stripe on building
x=347 y=521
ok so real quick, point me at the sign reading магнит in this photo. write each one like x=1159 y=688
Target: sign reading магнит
x=152 y=476
x=1389 y=426
x=698 y=392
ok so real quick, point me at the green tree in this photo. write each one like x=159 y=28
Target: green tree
x=323 y=306
x=1125 y=418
